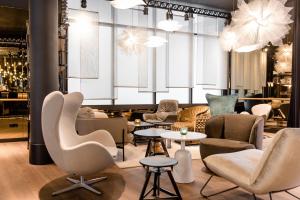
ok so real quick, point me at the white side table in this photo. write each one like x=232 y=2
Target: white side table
x=183 y=172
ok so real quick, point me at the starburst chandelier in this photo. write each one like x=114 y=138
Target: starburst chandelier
x=131 y=40
x=283 y=58
x=256 y=24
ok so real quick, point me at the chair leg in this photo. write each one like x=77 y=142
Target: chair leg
x=80 y=184
x=206 y=196
x=292 y=194
x=95 y=180
x=270 y=195
x=254 y=196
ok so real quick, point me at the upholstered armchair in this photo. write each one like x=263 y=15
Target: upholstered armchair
x=276 y=169
x=74 y=154
x=231 y=133
x=166 y=112
x=262 y=110
x=187 y=118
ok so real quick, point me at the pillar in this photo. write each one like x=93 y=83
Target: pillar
x=43 y=20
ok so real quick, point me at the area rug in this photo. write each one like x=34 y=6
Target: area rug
x=133 y=154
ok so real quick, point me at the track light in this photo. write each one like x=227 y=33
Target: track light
x=169 y=24
x=83 y=3
x=146 y=10
x=169 y=15
x=186 y=16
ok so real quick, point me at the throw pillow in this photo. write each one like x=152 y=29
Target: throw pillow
x=221 y=104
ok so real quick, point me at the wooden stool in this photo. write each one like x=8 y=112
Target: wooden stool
x=157 y=165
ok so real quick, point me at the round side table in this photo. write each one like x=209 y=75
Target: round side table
x=183 y=172
x=153 y=136
x=158 y=165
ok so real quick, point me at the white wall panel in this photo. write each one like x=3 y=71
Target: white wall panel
x=132 y=96
x=180 y=94
x=180 y=64
x=84 y=44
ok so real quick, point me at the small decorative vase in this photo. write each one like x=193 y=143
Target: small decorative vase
x=183 y=130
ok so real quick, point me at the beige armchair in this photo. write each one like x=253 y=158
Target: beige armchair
x=166 y=112
x=261 y=172
x=231 y=133
x=79 y=155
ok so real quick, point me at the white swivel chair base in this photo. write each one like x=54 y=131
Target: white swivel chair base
x=81 y=184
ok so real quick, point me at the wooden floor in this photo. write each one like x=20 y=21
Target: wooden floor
x=20 y=180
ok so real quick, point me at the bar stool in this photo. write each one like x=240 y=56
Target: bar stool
x=157 y=165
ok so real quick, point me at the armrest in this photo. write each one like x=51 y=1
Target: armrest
x=171 y=118
x=149 y=116
x=101 y=136
x=256 y=135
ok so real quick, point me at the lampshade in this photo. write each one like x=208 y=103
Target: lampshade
x=283 y=58
x=131 y=40
x=155 y=41
x=257 y=23
x=125 y=4
x=169 y=25
x=228 y=38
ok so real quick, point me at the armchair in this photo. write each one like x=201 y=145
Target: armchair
x=187 y=117
x=262 y=110
x=231 y=133
x=80 y=155
x=166 y=112
x=261 y=172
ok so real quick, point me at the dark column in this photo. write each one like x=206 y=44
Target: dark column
x=294 y=114
x=43 y=19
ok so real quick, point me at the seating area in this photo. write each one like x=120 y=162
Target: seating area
x=149 y=99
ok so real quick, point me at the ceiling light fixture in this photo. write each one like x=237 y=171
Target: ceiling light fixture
x=83 y=4
x=126 y=4
x=256 y=24
x=146 y=10
x=131 y=40
x=283 y=56
x=169 y=24
x=155 y=41
x=186 y=16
